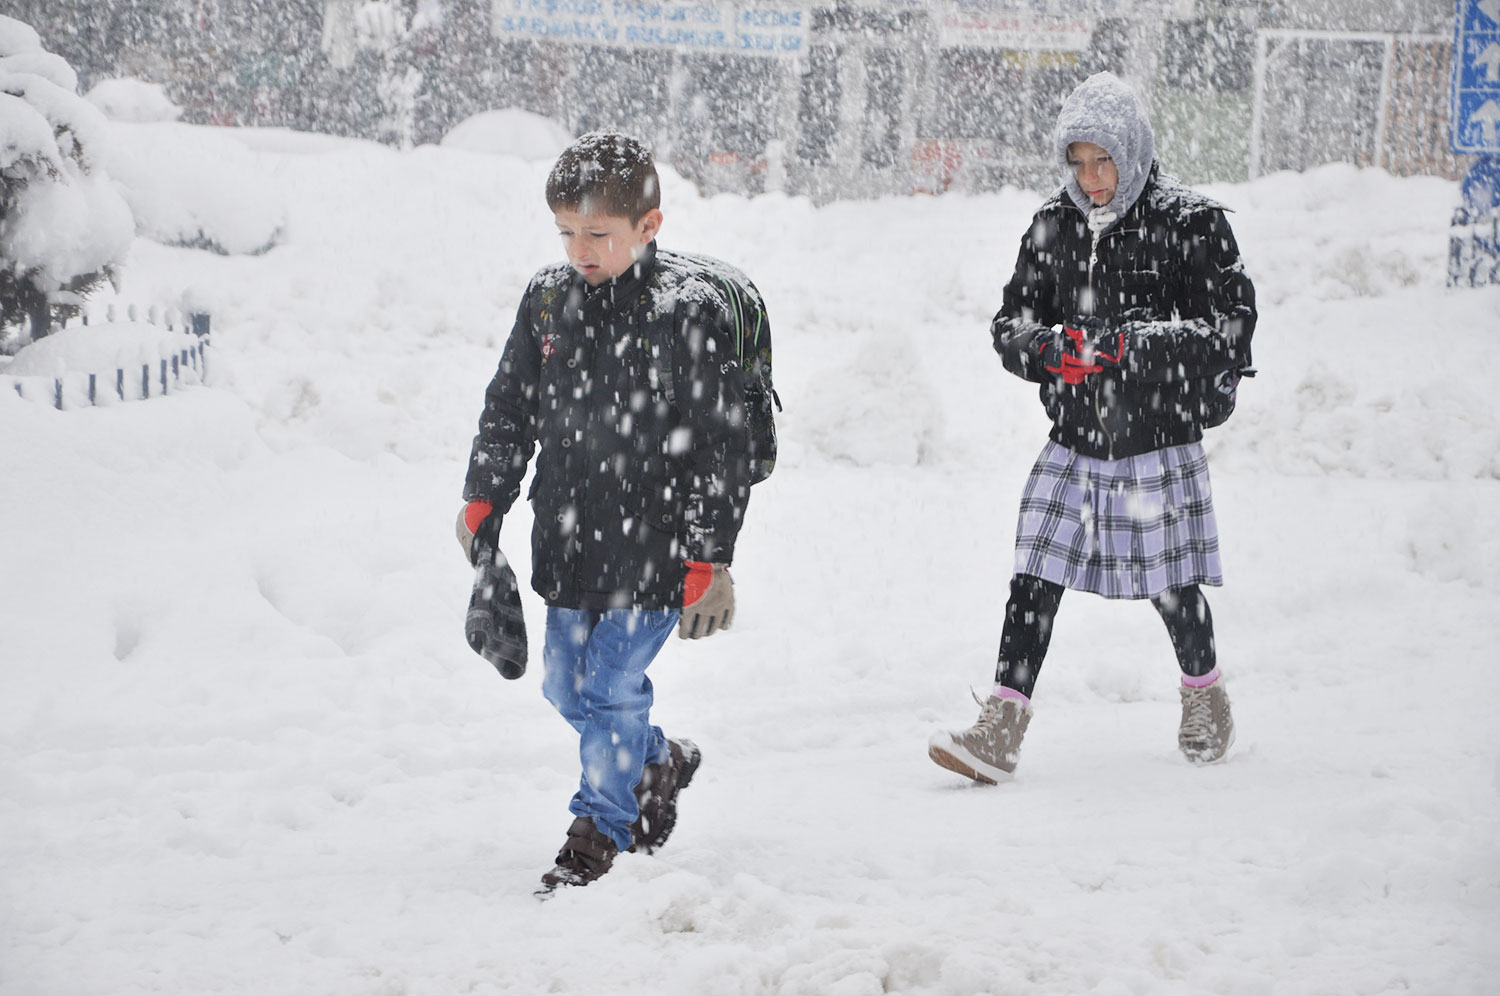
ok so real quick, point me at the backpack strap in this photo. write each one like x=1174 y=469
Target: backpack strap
x=737 y=308
x=661 y=373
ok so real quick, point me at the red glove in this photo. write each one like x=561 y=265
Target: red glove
x=699 y=577
x=1084 y=355
x=1094 y=339
x=475 y=512
x=476 y=517
x=707 y=600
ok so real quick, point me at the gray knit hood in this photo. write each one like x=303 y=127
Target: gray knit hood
x=1104 y=110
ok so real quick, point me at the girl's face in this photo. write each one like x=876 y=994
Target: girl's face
x=1094 y=170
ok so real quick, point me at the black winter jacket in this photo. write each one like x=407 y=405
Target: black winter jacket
x=628 y=486
x=1169 y=276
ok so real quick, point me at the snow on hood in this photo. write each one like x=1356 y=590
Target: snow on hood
x=1104 y=110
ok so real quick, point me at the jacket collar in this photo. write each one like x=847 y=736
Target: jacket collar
x=593 y=303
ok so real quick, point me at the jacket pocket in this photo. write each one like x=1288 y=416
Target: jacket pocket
x=1135 y=294
x=660 y=513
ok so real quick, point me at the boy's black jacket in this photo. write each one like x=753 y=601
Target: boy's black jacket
x=627 y=486
x=1169 y=276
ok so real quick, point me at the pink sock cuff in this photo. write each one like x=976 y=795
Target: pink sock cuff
x=1002 y=692
x=1201 y=682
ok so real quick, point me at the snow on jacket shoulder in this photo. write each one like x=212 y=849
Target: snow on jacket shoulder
x=1169 y=276
x=627 y=485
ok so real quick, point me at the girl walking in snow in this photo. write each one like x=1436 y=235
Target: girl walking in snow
x=1131 y=309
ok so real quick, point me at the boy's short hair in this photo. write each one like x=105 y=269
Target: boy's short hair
x=605 y=173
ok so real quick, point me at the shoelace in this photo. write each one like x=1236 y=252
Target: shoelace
x=989 y=709
x=1200 y=714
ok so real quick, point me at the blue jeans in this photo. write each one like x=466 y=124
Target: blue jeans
x=595 y=674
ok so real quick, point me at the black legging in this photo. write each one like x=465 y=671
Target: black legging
x=1033 y=606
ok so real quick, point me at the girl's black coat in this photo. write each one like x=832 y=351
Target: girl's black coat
x=1169 y=277
x=628 y=486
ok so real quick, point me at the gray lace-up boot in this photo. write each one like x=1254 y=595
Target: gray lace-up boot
x=987 y=751
x=1207 y=728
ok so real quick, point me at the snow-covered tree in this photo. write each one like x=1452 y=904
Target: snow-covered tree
x=63 y=226
x=383 y=33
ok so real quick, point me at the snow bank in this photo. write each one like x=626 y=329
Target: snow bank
x=132 y=100
x=510 y=131
x=1360 y=342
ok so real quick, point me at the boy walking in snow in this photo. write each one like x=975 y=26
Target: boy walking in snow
x=1131 y=309
x=639 y=490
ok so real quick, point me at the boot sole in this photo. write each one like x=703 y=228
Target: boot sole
x=955 y=758
x=692 y=758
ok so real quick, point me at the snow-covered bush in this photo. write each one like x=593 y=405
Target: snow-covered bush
x=510 y=131
x=132 y=100
x=187 y=186
x=197 y=187
x=63 y=225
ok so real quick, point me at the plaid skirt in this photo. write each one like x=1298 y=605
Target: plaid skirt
x=1130 y=528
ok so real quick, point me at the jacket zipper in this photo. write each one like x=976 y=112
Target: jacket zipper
x=589 y=363
x=1098 y=411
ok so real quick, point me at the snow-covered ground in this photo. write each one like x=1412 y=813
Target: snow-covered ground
x=244 y=748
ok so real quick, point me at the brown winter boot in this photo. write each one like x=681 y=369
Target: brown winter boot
x=987 y=751
x=585 y=856
x=656 y=795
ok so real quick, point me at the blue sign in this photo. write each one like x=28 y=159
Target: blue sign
x=1475 y=103
x=755 y=27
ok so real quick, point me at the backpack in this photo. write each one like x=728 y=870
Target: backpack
x=1217 y=401
x=752 y=339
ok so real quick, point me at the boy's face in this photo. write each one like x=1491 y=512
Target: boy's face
x=603 y=246
x=1095 y=171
